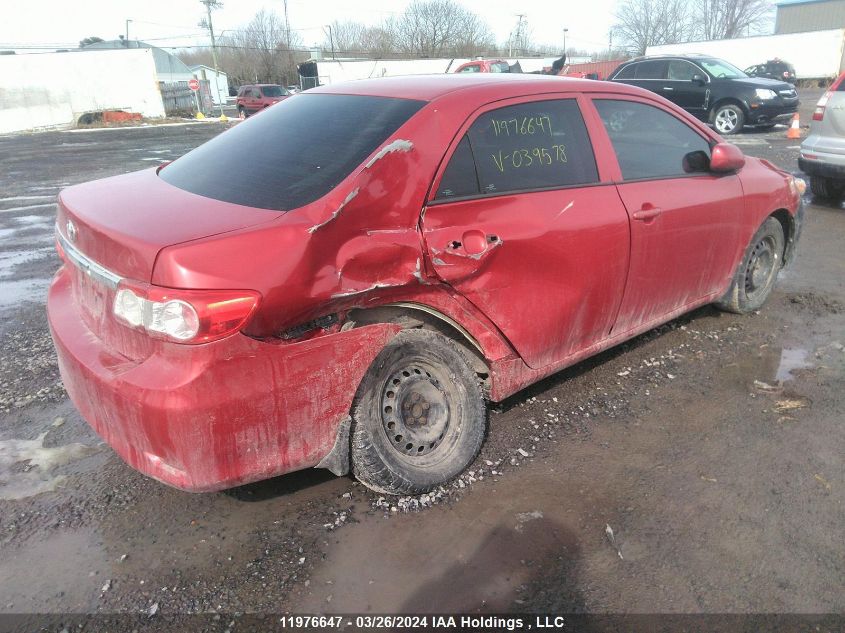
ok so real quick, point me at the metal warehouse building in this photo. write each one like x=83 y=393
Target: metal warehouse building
x=795 y=16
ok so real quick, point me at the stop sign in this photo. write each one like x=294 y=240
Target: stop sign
x=193 y=84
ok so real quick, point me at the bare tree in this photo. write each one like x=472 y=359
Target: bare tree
x=644 y=23
x=725 y=19
x=432 y=28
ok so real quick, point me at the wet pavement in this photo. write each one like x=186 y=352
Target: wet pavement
x=710 y=448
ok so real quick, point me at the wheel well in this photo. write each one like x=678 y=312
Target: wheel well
x=787 y=223
x=726 y=101
x=411 y=316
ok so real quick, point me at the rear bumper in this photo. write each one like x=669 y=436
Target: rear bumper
x=209 y=417
x=825 y=165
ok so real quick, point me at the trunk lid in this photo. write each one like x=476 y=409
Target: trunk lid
x=123 y=222
x=114 y=228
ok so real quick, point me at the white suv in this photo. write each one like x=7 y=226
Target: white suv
x=822 y=154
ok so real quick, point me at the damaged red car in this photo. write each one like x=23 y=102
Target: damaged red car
x=405 y=250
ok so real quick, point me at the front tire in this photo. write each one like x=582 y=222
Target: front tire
x=242 y=113
x=728 y=119
x=419 y=417
x=754 y=279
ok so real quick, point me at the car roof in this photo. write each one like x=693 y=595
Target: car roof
x=431 y=87
x=671 y=56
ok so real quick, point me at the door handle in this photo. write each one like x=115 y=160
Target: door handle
x=668 y=88
x=647 y=213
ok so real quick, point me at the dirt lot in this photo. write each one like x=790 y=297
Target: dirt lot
x=712 y=447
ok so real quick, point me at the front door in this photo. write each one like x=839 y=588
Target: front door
x=522 y=225
x=685 y=221
x=690 y=95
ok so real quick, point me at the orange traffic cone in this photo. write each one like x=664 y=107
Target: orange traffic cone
x=794 y=130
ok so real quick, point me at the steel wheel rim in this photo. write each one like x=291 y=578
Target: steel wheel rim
x=415 y=412
x=726 y=120
x=761 y=266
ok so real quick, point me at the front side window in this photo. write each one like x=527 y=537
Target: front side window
x=294 y=153
x=721 y=69
x=537 y=145
x=500 y=67
x=651 y=143
x=679 y=70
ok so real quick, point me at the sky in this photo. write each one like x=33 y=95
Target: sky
x=59 y=23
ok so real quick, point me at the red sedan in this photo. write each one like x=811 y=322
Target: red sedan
x=346 y=280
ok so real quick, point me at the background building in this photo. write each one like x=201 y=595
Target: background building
x=795 y=16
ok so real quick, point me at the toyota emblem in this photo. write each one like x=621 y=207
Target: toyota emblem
x=71 y=231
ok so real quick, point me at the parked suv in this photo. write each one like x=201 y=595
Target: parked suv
x=773 y=69
x=712 y=90
x=255 y=97
x=822 y=154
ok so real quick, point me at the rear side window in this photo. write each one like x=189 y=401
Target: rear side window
x=651 y=143
x=293 y=153
x=460 y=178
x=538 y=145
x=629 y=72
x=470 y=69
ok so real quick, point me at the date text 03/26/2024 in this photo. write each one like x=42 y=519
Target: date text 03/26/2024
x=544 y=622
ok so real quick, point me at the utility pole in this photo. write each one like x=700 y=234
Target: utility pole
x=287 y=35
x=565 y=31
x=331 y=39
x=209 y=5
x=517 y=36
x=126 y=38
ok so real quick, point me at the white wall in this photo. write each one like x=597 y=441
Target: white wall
x=332 y=72
x=53 y=89
x=814 y=54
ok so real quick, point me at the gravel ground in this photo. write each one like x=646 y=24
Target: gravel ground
x=695 y=469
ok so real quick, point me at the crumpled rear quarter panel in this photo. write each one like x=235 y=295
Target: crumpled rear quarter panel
x=209 y=417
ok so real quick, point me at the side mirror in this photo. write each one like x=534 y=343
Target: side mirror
x=699 y=79
x=725 y=158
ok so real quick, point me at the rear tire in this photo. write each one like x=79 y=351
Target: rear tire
x=826 y=188
x=419 y=416
x=755 y=277
x=728 y=119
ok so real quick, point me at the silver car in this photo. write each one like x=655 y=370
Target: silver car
x=822 y=154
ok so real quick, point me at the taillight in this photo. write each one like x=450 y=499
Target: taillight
x=818 y=113
x=184 y=316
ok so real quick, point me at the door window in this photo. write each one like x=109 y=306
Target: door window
x=537 y=145
x=460 y=178
x=652 y=70
x=470 y=69
x=651 y=143
x=679 y=70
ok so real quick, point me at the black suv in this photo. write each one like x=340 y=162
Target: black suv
x=773 y=69
x=712 y=89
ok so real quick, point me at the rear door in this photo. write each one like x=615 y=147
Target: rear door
x=524 y=224
x=685 y=221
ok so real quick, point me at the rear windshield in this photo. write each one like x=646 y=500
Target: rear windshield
x=273 y=91
x=292 y=153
